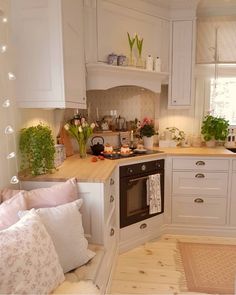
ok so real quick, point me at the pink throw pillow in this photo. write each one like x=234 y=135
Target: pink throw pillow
x=55 y=195
x=7 y=193
x=9 y=210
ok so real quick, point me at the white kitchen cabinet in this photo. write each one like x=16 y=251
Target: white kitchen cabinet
x=233 y=196
x=199 y=191
x=182 y=56
x=49 y=53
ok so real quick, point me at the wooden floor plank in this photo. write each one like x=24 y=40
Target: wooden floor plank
x=152 y=268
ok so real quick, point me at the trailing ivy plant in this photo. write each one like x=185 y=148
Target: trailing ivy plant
x=214 y=128
x=37 y=149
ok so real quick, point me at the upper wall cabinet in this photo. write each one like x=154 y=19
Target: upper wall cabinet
x=49 y=51
x=181 y=78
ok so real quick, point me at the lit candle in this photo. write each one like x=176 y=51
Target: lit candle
x=132 y=136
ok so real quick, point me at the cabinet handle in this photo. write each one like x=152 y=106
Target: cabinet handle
x=200 y=163
x=112 y=232
x=84 y=98
x=142 y=226
x=200 y=175
x=112 y=181
x=111 y=199
x=199 y=200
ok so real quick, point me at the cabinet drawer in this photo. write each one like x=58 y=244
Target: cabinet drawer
x=210 y=184
x=145 y=227
x=204 y=210
x=200 y=164
x=234 y=165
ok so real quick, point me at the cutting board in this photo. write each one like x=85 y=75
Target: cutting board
x=65 y=139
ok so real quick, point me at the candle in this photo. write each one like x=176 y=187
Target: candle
x=132 y=136
x=97 y=114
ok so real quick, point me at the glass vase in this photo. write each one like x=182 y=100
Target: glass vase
x=131 y=62
x=140 y=62
x=82 y=149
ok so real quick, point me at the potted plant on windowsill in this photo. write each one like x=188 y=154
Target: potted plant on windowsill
x=214 y=129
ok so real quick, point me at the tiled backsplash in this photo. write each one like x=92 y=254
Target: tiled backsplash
x=129 y=102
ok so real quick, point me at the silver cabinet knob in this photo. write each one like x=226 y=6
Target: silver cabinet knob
x=112 y=232
x=112 y=181
x=143 y=226
x=200 y=163
x=198 y=200
x=111 y=199
x=200 y=175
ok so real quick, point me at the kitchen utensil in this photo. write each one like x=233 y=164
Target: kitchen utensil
x=120 y=123
x=97 y=147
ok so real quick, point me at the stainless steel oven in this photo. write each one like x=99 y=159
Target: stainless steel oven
x=133 y=191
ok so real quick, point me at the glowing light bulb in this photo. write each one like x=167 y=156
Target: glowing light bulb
x=3 y=48
x=6 y=103
x=4 y=19
x=11 y=155
x=9 y=130
x=14 y=180
x=11 y=76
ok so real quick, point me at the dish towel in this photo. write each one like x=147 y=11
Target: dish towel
x=154 y=193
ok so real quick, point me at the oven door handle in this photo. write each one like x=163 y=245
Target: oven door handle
x=139 y=178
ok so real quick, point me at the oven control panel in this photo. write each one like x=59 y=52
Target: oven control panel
x=139 y=168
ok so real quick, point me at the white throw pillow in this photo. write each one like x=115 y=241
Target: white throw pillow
x=28 y=261
x=64 y=225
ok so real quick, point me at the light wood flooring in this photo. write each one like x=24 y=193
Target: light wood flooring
x=153 y=268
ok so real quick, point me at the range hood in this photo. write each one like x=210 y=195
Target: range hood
x=101 y=76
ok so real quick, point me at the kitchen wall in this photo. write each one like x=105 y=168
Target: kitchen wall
x=135 y=102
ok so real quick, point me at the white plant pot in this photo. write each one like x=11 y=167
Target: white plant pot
x=211 y=143
x=148 y=142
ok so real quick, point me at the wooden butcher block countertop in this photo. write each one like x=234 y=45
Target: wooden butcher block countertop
x=87 y=171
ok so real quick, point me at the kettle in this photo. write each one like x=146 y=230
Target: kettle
x=97 y=147
x=120 y=123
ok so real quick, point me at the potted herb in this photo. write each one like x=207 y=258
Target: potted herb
x=214 y=128
x=37 y=149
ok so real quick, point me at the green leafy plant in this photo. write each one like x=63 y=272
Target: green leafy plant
x=214 y=128
x=131 y=41
x=37 y=149
x=139 y=43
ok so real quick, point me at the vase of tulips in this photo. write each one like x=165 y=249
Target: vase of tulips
x=81 y=130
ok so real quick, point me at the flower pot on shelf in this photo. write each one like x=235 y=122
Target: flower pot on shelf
x=148 y=142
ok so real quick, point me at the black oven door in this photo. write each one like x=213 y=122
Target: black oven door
x=133 y=199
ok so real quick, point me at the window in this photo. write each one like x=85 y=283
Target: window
x=223 y=98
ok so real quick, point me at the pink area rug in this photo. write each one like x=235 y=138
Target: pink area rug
x=209 y=268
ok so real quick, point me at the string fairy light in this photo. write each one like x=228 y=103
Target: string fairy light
x=9 y=130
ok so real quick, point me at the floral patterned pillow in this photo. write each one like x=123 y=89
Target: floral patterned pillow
x=28 y=261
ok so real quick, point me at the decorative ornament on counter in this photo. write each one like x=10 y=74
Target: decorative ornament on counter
x=81 y=131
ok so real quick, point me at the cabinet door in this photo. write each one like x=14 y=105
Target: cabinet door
x=181 y=75
x=233 y=201
x=37 y=42
x=73 y=53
